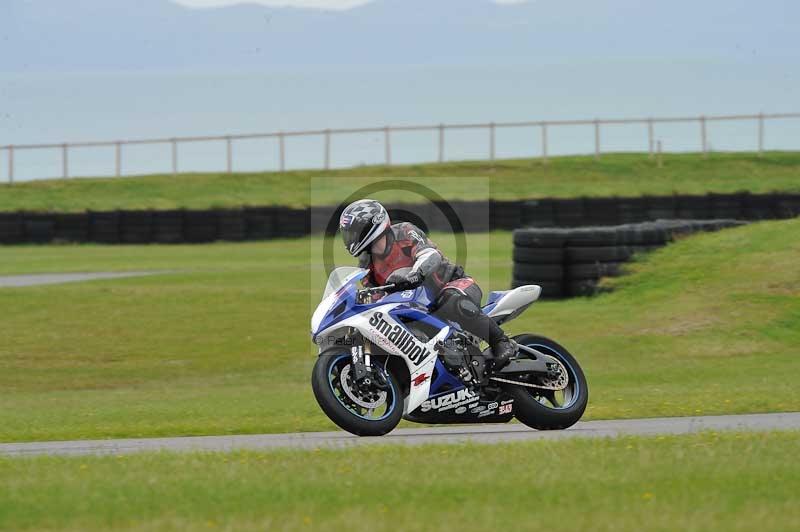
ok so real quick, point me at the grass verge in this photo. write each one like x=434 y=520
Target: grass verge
x=709 y=325
x=706 y=482
x=573 y=176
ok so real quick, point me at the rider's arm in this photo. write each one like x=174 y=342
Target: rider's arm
x=426 y=261
x=427 y=256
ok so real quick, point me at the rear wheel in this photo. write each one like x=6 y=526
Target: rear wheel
x=550 y=409
x=363 y=410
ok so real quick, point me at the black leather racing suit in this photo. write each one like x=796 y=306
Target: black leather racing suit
x=457 y=296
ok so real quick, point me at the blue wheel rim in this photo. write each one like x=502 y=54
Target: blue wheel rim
x=574 y=384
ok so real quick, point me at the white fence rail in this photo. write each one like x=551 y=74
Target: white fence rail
x=759 y=121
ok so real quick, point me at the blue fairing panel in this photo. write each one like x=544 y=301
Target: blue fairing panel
x=419 y=295
x=444 y=378
x=417 y=315
x=494 y=297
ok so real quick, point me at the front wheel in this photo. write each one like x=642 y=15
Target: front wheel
x=550 y=409
x=360 y=410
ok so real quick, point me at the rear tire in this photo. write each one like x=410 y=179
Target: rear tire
x=528 y=408
x=345 y=417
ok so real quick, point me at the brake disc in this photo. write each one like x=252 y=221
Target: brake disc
x=368 y=401
x=559 y=378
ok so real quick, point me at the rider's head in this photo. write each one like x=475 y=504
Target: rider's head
x=361 y=223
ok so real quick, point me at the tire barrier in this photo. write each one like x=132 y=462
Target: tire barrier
x=622 y=210
x=263 y=223
x=571 y=262
x=12 y=228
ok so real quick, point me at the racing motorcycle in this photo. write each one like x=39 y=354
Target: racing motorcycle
x=382 y=360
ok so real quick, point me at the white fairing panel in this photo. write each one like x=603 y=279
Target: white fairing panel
x=516 y=299
x=381 y=329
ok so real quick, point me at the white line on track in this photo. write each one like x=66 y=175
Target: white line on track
x=441 y=435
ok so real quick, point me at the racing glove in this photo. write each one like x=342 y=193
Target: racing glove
x=405 y=281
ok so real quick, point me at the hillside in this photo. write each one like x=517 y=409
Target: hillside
x=614 y=174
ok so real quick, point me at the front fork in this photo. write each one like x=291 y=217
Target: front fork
x=364 y=373
x=361 y=363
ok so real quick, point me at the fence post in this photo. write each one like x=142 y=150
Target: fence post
x=118 y=158
x=65 y=161
x=441 y=143
x=596 y=140
x=703 y=135
x=658 y=157
x=760 y=134
x=491 y=141
x=387 y=145
x=174 y=144
x=11 y=165
x=282 y=149
x=650 y=146
x=327 y=149
x=544 y=142
x=229 y=154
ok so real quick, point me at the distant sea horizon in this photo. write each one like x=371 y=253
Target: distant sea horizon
x=106 y=106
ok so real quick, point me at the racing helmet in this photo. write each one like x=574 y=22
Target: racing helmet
x=361 y=223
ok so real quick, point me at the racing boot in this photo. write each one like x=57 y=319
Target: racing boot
x=502 y=352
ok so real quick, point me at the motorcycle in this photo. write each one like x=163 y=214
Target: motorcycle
x=389 y=359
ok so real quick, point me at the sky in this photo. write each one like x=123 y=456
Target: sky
x=315 y=4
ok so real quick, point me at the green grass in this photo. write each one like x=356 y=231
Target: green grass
x=614 y=174
x=704 y=482
x=709 y=325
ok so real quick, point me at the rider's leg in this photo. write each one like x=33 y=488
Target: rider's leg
x=462 y=305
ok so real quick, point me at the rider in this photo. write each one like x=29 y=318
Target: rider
x=401 y=254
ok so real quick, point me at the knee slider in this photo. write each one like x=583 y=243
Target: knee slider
x=467 y=308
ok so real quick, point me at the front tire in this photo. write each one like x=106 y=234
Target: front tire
x=548 y=410
x=333 y=388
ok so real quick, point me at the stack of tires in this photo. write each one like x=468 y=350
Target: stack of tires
x=200 y=226
x=601 y=211
x=647 y=236
x=136 y=227
x=590 y=254
x=71 y=227
x=571 y=262
x=539 y=259
x=291 y=223
x=104 y=227
x=578 y=212
x=505 y=214
x=12 y=228
x=260 y=223
x=232 y=225
x=39 y=228
x=537 y=213
x=168 y=227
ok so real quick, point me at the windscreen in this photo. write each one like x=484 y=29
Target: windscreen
x=341 y=276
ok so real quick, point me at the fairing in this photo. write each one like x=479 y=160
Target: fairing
x=383 y=323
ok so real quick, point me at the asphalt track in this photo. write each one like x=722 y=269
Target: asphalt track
x=18 y=281
x=440 y=435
